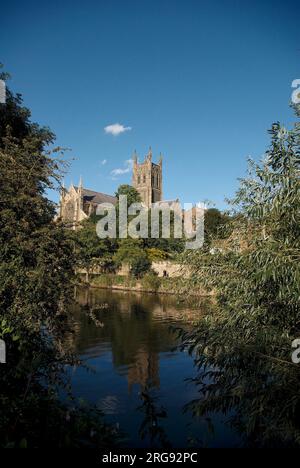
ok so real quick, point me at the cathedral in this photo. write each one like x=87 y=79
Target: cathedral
x=79 y=203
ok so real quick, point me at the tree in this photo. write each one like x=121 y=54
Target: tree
x=151 y=281
x=132 y=194
x=36 y=272
x=172 y=245
x=215 y=223
x=35 y=252
x=131 y=252
x=156 y=255
x=244 y=349
x=140 y=265
x=91 y=251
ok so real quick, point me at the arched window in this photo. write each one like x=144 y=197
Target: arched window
x=139 y=179
x=144 y=179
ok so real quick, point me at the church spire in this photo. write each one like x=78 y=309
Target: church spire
x=149 y=155
x=80 y=196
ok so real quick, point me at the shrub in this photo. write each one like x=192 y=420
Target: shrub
x=140 y=265
x=155 y=254
x=151 y=281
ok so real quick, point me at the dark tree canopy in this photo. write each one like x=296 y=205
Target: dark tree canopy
x=36 y=273
x=244 y=349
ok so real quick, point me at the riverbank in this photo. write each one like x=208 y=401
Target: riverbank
x=148 y=284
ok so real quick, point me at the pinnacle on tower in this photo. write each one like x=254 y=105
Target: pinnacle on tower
x=62 y=190
x=135 y=156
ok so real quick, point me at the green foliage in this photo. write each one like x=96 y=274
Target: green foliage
x=90 y=250
x=140 y=265
x=151 y=281
x=111 y=280
x=215 y=224
x=128 y=250
x=131 y=253
x=156 y=255
x=132 y=194
x=36 y=272
x=244 y=349
x=172 y=245
x=152 y=429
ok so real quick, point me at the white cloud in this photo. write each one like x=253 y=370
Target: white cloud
x=116 y=129
x=103 y=162
x=122 y=170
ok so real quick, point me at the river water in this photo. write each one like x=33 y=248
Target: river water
x=134 y=372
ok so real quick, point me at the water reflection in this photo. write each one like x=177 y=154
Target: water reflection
x=135 y=326
x=151 y=426
x=135 y=373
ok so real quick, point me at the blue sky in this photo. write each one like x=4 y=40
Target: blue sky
x=200 y=81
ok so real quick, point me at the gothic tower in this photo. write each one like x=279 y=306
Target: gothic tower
x=147 y=178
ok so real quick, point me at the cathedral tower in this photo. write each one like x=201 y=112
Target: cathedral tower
x=147 y=178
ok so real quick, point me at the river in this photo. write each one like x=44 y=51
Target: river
x=134 y=372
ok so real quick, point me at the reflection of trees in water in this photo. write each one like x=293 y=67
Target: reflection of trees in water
x=137 y=326
x=151 y=428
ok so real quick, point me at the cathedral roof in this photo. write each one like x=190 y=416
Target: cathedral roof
x=96 y=197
